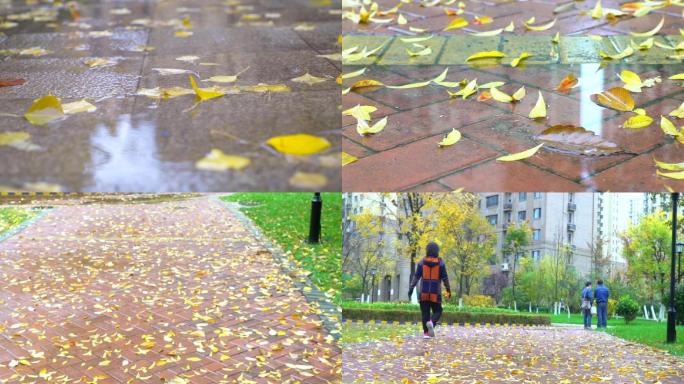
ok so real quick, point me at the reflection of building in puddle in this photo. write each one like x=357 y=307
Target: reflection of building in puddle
x=591 y=115
x=127 y=156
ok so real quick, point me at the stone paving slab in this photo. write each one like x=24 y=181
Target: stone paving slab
x=152 y=140
x=508 y=355
x=181 y=289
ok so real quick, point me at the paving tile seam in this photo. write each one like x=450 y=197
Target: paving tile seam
x=330 y=313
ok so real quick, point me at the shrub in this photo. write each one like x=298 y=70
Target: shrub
x=612 y=303
x=447 y=317
x=627 y=308
x=478 y=301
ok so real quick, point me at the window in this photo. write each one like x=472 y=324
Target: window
x=571 y=196
x=507 y=197
x=571 y=217
x=536 y=234
x=507 y=217
x=522 y=196
x=535 y=255
x=493 y=219
x=537 y=213
x=492 y=201
x=522 y=215
x=537 y=195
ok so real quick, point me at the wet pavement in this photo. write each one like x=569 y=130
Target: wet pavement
x=509 y=355
x=138 y=143
x=174 y=290
x=405 y=155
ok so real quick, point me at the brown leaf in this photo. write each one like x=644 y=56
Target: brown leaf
x=616 y=98
x=11 y=82
x=577 y=140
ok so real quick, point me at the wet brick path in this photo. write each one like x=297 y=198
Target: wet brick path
x=117 y=293
x=405 y=155
x=509 y=355
x=137 y=144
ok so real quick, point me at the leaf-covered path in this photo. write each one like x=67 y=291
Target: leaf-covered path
x=509 y=355
x=110 y=293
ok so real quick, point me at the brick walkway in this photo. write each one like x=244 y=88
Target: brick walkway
x=118 y=293
x=509 y=355
x=158 y=142
x=405 y=155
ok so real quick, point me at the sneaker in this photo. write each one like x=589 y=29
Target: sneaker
x=425 y=335
x=431 y=329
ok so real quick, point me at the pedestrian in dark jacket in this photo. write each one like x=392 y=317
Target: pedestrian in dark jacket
x=432 y=271
x=587 y=298
x=601 y=294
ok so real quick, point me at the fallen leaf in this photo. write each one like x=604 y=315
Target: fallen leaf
x=494 y=32
x=542 y=27
x=678 y=112
x=539 y=109
x=669 y=166
x=626 y=52
x=671 y=175
x=171 y=71
x=348 y=159
x=519 y=94
x=11 y=82
x=309 y=79
x=424 y=52
x=597 y=12
x=78 y=107
x=360 y=112
x=521 y=155
x=638 y=121
x=44 y=110
x=216 y=160
x=577 y=140
x=569 y=82
x=652 y=32
x=500 y=96
x=363 y=128
x=452 y=138
x=518 y=59
x=99 y=62
x=456 y=23
x=616 y=98
x=299 y=144
x=668 y=127
x=306 y=180
x=204 y=93
x=366 y=84
x=486 y=55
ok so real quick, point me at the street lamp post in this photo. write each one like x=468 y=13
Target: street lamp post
x=680 y=248
x=373 y=273
x=671 y=312
x=315 y=223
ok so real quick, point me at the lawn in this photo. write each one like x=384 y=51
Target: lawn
x=354 y=332
x=284 y=218
x=12 y=217
x=641 y=331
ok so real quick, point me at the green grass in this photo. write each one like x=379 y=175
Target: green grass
x=284 y=218
x=641 y=331
x=415 y=307
x=355 y=332
x=12 y=217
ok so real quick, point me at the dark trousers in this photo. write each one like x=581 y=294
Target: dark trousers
x=602 y=311
x=425 y=308
x=587 y=318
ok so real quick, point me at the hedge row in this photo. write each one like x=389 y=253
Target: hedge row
x=447 y=317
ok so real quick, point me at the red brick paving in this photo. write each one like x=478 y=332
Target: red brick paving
x=509 y=355
x=165 y=290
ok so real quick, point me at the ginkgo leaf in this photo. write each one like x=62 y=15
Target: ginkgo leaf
x=99 y=62
x=171 y=71
x=410 y=86
x=78 y=107
x=519 y=94
x=348 y=159
x=299 y=144
x=418 y=39
x=306 y=180
x=671 y=175
x=494 y=32
x=521 y=155
x=668 y=127
x=632 y=80
x=616 y=98
x=222 y=79
x=556 y=38
x=8 y=138
x=452 y=138
x=626 y=52
x=401 y=19
x=542 y=27
x=646 y=44
x=351 y=75
x=569 y=82
x=669 y=166
x=363 y=128
x=597 y=12
x=360 y=112
x=491 y=84
x=482 y=20
x=204 y=93
x=500 y=96
x=366 y=83
x=638 y=121
x=216 y=160
x=510 y=27
x=678 y=112
x=539 y=109
x=424 y=52
x=486 y=55
x=517 y=60
x=309 y=79
x=466 y=91
x=679 y=76
x=44 y=110
x=652 y=32
x=456 y=23
x=183 y=33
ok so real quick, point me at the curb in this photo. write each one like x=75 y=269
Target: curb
x=330 y=313
x=15 y=194
x=467 y=325
x=19 y=228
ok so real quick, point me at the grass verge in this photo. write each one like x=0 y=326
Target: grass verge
x=284 y=218
x=355 y=332
x=12 y=217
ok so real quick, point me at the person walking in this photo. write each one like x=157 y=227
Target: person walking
x=587 y=298
x=601 y=293
x=432 y=271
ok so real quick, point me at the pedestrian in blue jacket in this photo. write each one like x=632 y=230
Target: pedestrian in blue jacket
x=601 y=294
x=587 y=298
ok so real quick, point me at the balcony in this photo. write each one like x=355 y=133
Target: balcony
x=572 y=207
x=508 y=206
x=571 y=227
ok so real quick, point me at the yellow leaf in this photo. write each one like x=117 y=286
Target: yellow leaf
x=638 y=121
x=556 y=38
x=679 y=76
x=299 y=366
x=616 y=98
x=8 y=138
x=309 y=79
x=363 y=128
x=99 y=62
x=348 y=159
x=216 y=160
x=360 y=112
x=678 y=112
x=646 y=44
x=669 y=166
x=597 y=12
x=417 y=39
x=104 y=363
x=539 y=109
x=668 y=127
x=34 y=51
x=626 y=52
x=366 y=83
x=306 y=180
x=401 y=20
x=494 y=32
x=410 y=86
x=510 y=27
x=521 y=155
x=299 y=144
x=652 y=31
x=486 y=55
x=78 y=107
x=632 y=80
x=204 y=93
x=183 y=33
x=424 y=52
x=518 y=59
x=353 y=74
x=44 y=110
x=452 y=138
x=671 y=175
x=222 y=79
x=519 y=94
x=500 y=96
x=542 y=27
x=459 y=22
x=466 y=91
